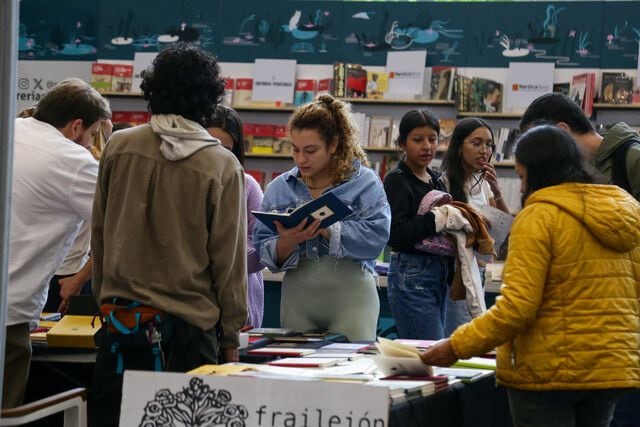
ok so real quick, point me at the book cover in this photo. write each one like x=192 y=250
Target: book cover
x=263 y=136
x=462 y=90
x=324 y=86
x=338 y=84
x=271 y=332
x=400 y=359
x=380 y=128
x=229 y=85
x=282 y=351
x=377 y=84
x=485 y=96
x=101 y=76
x=281 y=140
x=248 y=132
x=356 y=81
x=306 y=362
x=122 y=78
x=305 y=91
x=606 y=86
x=327 y=208
x=74 y=331
x=622 y=90
x=562 y=88
x=578 y=89
x=446 y=129
x=476 y=363
x=243 y=92
x=441 y=84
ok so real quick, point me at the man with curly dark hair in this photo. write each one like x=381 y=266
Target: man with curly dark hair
x=169 y=230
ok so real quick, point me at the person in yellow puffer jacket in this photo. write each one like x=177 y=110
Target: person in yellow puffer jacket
x=568 y=319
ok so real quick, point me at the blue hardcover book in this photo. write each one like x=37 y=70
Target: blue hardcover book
x=328 y=208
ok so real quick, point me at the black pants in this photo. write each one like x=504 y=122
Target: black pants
x=186 y=348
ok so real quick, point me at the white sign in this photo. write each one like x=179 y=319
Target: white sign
x=141 y=61
x=163 y=398
x=527 y=81
x=35 y=78
x=274 y=80
x=406 y=72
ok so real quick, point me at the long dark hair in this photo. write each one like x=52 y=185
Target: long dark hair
x=416 y=119
x=452 y=161
x=229 y=121
x=551 y=157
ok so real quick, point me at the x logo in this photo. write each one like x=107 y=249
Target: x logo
x=38 y=84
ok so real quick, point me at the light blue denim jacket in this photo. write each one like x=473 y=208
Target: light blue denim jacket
x=360 y=236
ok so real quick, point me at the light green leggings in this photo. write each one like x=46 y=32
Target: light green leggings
x=333 y=294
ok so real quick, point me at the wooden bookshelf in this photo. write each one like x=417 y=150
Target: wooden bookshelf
x=602 y=106
x=267 y=156
x=490 y=115
x=257 y=108
x=426 y=102
x=392 y=150
x=504 y=164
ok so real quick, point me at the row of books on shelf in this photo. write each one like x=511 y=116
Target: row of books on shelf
x=112 y=78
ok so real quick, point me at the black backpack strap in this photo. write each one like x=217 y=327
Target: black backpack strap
x=619 y=175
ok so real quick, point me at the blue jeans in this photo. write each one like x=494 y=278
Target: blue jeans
x=562 y=408
x=417 y=290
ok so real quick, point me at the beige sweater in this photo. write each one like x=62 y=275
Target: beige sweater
x=171 y=233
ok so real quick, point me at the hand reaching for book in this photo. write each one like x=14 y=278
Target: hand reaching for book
x=441 y=354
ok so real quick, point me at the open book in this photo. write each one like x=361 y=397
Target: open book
x=327 y=208
x=400 y=359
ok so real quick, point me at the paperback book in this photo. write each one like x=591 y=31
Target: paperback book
x=327 y=208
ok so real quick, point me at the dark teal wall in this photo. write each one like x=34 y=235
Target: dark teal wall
x=478 y=34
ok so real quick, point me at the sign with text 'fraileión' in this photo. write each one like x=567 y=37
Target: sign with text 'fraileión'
x=162 y=398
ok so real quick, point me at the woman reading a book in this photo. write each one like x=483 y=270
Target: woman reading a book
x=225 y=124
x=417 y=285
x=568 y=318
x=329 y=279
x=469 y=176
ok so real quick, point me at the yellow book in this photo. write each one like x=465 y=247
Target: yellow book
x=74 y=331
x=222 y=370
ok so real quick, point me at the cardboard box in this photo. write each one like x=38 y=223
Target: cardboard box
x=74 y=331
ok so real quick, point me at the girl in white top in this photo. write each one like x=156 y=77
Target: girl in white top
x=470 y=177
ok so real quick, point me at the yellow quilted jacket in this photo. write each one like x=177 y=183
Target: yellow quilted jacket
x=569 y=313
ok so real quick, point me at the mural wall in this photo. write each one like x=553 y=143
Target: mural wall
x=570 y=34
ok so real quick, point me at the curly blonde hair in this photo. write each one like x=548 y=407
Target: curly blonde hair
x=332 y=119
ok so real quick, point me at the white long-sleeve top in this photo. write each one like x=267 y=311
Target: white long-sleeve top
x=52 y=194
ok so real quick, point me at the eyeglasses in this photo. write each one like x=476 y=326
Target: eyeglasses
x=478 y=144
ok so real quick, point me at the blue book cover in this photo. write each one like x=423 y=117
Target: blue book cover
x=328 y=208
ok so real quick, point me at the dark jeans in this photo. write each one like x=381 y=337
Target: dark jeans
x=417 y=290
x=627 y=412
x=186 y=348
x=563 y=408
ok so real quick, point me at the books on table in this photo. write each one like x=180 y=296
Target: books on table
x=400 y=359
x=327 y=208
x=282 y=351
x=476 y=362
x=306 y=362
x=466 y=375
x=74 y=331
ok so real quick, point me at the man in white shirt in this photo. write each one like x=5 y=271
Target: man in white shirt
x=54 y=177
